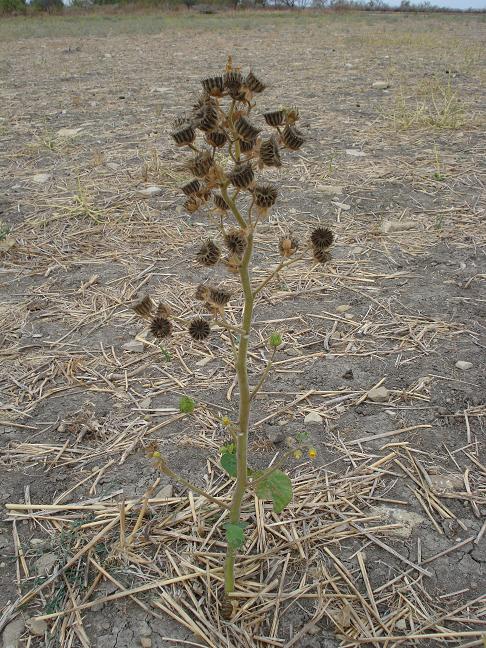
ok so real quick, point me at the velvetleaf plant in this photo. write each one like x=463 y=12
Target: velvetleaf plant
x=228 y=153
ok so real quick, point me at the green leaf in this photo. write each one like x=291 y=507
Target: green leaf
x=276 y=487
x=228 y=462
x=235 y=535
x=186 y=405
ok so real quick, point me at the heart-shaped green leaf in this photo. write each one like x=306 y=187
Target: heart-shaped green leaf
x=276 y=487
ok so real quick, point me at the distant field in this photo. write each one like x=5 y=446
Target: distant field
x=388 y=542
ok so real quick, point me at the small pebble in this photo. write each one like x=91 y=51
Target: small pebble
x=462 y=364
x=312 y=418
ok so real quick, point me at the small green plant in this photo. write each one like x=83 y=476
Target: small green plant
x=12 y=6
x=224 y=168
x=438 y=175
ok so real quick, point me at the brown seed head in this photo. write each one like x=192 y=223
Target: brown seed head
x=288 y=245
x=144 y=307
x=219 y=296
x=184 y=134
x=269 y=153
x=233 y=263
x=217 y=138
x=242 y=175
x=192 y=187
x=321 y=255
x=246 y=130
x=201 y=164
x=199 y=328
x=275 y=117
x=192 y=204
x=292 y=138
x=220 y=203
x=246 y=147
x=206 y=117
x=265 y=195
x=163 y=311
x=236 y=242
x=161 y=327
x=292 y=115
x=253 y=83
x=209 y=253
x=213 y=86
x=321 y=238
x=202 y=292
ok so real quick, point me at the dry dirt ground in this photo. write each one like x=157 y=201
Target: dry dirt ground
x=385 y=543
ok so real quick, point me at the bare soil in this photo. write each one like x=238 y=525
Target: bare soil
x=397 y=172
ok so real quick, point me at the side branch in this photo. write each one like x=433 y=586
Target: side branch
x=281 y=266
x=264 y=375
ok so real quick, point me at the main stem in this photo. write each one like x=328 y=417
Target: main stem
x=244 y=414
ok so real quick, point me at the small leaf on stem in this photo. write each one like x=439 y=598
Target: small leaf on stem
x=276 y=487
x=235 y=535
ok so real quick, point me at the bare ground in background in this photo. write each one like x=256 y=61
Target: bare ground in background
x=84 y=127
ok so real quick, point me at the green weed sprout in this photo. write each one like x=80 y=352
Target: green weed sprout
x=229 y=150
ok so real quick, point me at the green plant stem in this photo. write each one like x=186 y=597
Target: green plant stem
x=230 y=202
x=276 y=465
x=281 y=266
x=265 y=373
x=244 y=413
x=179 y=478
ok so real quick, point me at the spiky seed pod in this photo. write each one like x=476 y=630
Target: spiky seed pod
x=236 y=242
x=321 y=255
x=232 y=79
x=269 y=153
x=199 y=329
x=288 y=245
x=161 y=327
x=217 y=138
x=213 y=86
x=183 y=134
x=242 y=175
x=265 y=196
x=253 y=83
x=206 y=118
x=321 y=238
x=292 y=115
x=163 y=311
x=205 y=194
x=201 y=164
x=209 y=253
x=192 y=204
x=144 y=307
x=202 y=292
x=275 y=117
x=246 y=147
x=220 y=202
x=292 y=138
x=246 y=131
x=219 y=296
x=192 y=187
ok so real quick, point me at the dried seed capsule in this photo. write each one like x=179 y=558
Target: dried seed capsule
x=163 y=311
x=232 y=79
x=236 y=242
x=161 y=327
x=199 y=329
x=201 y=164
x=206 y=118
x=242 y=175
x=213 y=86
x=292 y=138
x=288 y=245
x=321 y=255
x=217 y=138
x=144 y=307
x=253 y=83
x=184 y=134
x=202 y=292
x=246 y=130
x=192 y=204
x=220 y=202
x=269 y=153
x=209 y=253
x=219 y=296
x=246 y=147
x=321 y=238
x=265 y=195
x=275 y=117
x=192 y=187
x=233 y=263
x=292 y=115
